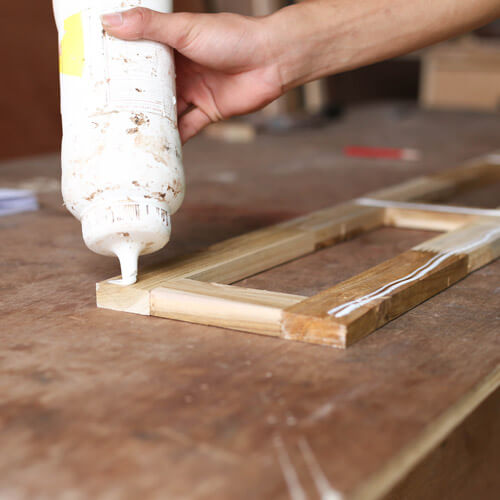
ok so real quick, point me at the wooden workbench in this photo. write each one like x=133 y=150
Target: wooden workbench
x=104 y=405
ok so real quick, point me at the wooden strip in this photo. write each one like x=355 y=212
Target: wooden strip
x=224 y=306
x=418 y=189
x=225 y=262
x=431 y=207
x=131 y=299
x=242 y=256
x=429 y=216
x=353 y=309
x=339 y=223
x=479 y=241
x=473 y=174
x=425 y=220
x=236 y=262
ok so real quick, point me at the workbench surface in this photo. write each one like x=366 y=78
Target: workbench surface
x=104 y=405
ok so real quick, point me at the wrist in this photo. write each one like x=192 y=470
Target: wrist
x=301 y=42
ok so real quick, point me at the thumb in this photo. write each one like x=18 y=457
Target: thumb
x=174 y=30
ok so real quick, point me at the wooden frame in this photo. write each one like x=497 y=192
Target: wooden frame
x=198 y=288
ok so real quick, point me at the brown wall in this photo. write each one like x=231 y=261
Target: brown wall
x=29 y=101
x=29 y=107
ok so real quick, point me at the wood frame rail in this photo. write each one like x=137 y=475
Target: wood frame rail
x=199 y=288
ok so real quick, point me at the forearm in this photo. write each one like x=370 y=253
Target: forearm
x=322 y=37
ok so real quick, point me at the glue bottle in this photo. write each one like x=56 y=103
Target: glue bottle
x=122 y=174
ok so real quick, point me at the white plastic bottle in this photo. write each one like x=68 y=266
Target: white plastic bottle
x=122 y=174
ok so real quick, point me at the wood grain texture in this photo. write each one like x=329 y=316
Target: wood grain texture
x=462 y=466
x=479 y=241
x=429 y=216
x=351 y=310
x=242 y=256
x=414 y=452
x=355 y=308
x=429 y=220
x=224 y=262
x=338 y=223
x=244 y=309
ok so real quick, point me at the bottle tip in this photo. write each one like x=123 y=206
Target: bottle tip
x=129 y=258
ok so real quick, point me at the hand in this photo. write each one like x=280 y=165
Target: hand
x=223 y=61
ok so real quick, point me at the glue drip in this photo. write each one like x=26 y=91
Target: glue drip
x=129 y=263
x=126 y=231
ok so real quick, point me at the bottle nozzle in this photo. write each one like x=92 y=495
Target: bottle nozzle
x=129 y=258
x=126 y=230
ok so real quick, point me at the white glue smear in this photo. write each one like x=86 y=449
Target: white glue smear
x=129 y=259
x=349 y=307
x=289 y=473
x=494 y=158
x=325 y=490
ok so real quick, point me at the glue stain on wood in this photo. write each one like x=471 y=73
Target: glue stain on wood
x=325 y=490
x=349 y=307
x=289 y=472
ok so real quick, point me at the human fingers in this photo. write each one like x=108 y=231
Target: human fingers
x=174 y=30
x=191 y=123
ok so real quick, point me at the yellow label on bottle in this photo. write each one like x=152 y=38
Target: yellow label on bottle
x=72 y=58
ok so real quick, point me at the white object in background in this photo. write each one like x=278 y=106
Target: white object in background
x=16 y=201
x=122 y=174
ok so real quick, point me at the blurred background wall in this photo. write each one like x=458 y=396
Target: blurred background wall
x=29 y=103
x=29 y=100
x=29 y=113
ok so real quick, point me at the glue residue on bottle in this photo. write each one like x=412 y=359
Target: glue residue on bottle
x=122 y=173
x=126 y=231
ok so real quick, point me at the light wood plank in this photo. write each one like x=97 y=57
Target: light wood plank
x=224 y=306
x=479 y=241
x=406 y=218
x=429 y=216
x=131 y=299
x=243 y=256
x=225 y=262
x=475 y=173
x=338 y=223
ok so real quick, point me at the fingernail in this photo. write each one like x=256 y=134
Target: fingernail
x=112 y=20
